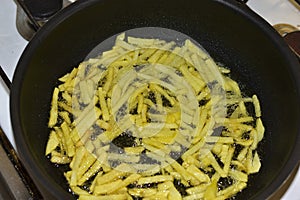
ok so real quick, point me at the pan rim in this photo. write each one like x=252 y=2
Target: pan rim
x=77 y=6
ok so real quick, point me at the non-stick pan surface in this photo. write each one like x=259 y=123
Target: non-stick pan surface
x=229 y=31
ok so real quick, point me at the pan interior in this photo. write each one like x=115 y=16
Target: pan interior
x=257 y=57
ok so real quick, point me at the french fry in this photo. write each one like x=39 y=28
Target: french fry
x=227 y=160
x=103 y=105
x=229 y=191
x=54 y=108
x=194 y=196
x=256 y=106
x=141 y=192
x=112 y=175
x=260 y=129
x=75 y=165
x=167 y=93
x=197 y=173
x=107 y=188
x=154 y=179
x=106 y=197
x=169 y=187
x=70 y=148
x=52 y=143
x=199 y=189
x=65 y=116
x=116 y=185
x=60 y=159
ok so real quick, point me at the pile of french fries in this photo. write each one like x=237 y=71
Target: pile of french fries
x=186 y=124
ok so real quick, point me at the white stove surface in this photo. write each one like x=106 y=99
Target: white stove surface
x=12 y=46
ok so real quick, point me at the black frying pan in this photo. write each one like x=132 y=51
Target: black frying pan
x=228 y=30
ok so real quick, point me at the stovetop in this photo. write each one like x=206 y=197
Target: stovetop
x=12 y=46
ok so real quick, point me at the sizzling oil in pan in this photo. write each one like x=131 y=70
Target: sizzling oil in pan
x=154 y=118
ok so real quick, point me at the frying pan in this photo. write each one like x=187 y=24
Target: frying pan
x=233 y=35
